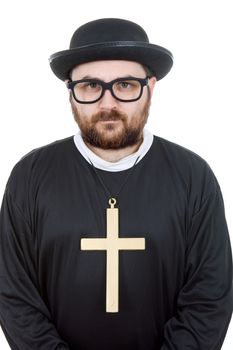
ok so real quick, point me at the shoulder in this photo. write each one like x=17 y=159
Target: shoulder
x=192 y=169
x=178 y=152
x=54 y=148
x=37 y=162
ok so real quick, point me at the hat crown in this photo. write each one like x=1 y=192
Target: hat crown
x=107 y=30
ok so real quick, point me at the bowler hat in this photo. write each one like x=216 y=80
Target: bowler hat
x=111 y=39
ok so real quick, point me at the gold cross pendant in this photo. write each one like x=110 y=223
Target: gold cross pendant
x=112 y=244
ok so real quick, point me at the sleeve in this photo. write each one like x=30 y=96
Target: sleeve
x=204 y=304
x=25 y=318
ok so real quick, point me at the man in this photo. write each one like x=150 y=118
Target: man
x=114 y=238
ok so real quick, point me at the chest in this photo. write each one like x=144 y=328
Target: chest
x=150 y=205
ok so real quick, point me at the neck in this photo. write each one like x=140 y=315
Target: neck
x=114 y=155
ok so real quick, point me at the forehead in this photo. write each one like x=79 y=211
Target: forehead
x=108 y=69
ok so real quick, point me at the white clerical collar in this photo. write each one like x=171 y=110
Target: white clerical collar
x=124 y=163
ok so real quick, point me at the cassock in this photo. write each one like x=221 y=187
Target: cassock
x=174 y=294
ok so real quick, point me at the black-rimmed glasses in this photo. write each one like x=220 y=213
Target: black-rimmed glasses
x=92 y=90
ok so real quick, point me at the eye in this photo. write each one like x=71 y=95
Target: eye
x=93 y=85
x=90 y=86
x=124 y=84
x=127 y=85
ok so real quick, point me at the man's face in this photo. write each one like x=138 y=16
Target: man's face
x=109 y=123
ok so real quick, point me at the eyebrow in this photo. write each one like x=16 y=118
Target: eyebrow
x=95 y=78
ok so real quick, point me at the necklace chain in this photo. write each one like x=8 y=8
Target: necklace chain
x=109 y=195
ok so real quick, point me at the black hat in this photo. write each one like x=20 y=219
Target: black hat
x=111 y=39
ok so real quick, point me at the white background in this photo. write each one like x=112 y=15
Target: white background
x=192 y=106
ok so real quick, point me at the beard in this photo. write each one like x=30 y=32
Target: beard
x=112 y=135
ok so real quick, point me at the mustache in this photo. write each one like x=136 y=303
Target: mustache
x=111 y=115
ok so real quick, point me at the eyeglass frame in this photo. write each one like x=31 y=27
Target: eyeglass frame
x=108 y=86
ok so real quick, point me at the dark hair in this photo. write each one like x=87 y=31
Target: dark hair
x=148 y=71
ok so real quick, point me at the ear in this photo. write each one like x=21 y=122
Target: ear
x=69 y=90
x=152 y=83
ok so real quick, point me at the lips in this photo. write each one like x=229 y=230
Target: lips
x=110 y=120
x=108 y=117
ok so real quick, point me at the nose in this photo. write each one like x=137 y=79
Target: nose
x=107 y=101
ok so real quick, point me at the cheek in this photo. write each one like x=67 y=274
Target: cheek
x=85 y=110
x=134 y=109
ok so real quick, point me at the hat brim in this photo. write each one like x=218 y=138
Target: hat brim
x=158 y=59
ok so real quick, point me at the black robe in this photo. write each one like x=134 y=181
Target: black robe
x=174 y=295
